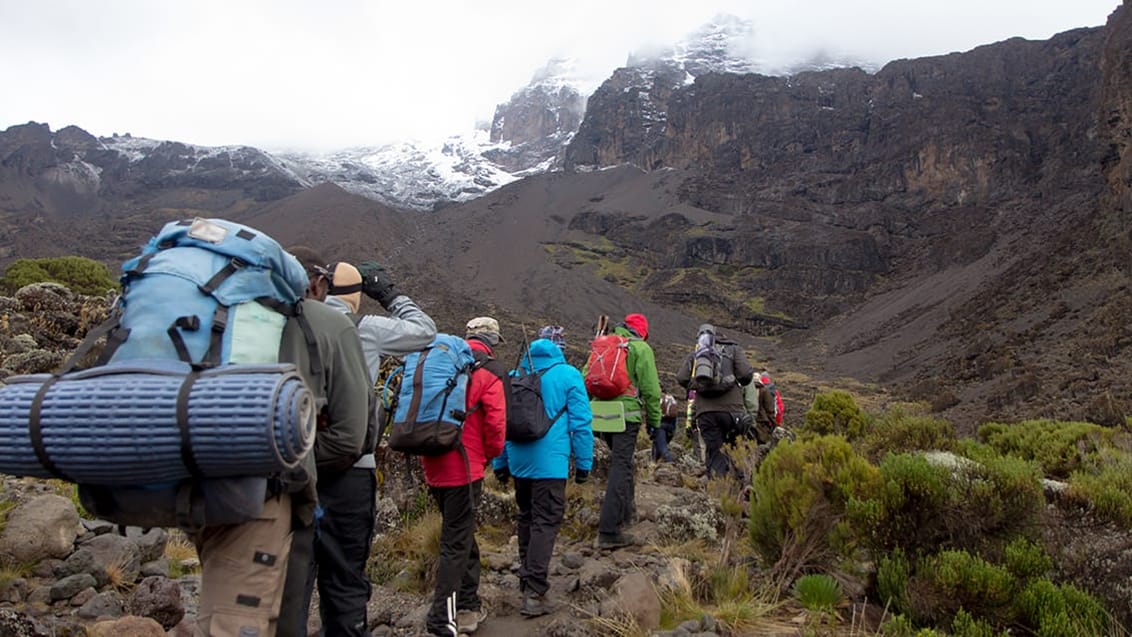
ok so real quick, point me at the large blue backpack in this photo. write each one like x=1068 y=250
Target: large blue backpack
x=207 y=292
x=188 y=390
x=430 y=412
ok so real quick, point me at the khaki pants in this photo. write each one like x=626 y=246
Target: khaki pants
x=243 y=567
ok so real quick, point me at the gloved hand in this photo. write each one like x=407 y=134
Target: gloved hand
x=376 y=283
x=581 y=476
x=652 y=432
x=503 y=474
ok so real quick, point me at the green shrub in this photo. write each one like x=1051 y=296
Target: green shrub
x=80 y=274
x=836 y=412
x=1107 y=489
x=1060 y=448
x=907 y=512
x=893 y=573
x=897 y=431
x=952 y=580
x=925 y=505
x=1027 y=560
x=1053 y=610
x=964 y=625
x=800 y=497
x=818 y=592
x=901 y=626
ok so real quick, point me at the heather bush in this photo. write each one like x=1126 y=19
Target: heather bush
x=1052 y=610
x=898 y=430
x=949 y=581
x=797 y=520
x=835 y=412
x=1060 y=448
x=926 y=504
x=80 y=274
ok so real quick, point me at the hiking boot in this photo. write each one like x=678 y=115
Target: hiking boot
x=610 y=542
x=534 y=605
x=467 y=621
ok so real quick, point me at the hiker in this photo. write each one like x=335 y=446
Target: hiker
x=717 y=370
x=540 y=469
x=759 y=403
x=642 y=407
x=344 y=524
x=455 y=481
x=555 y=334
x=662 y=435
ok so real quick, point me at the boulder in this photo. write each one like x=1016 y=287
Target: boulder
x=45 y=526
x=127 y=627
x=104 y=604
x=45 y=297
x=634 y=595
x=117 y=555
x=158 y=598
x=16 y=624
x=694 y=517
x=70 y=586
x=151 y=543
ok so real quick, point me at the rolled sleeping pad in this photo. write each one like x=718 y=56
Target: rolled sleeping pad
x=119 y=425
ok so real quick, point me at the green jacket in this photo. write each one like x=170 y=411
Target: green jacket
x=643 y=376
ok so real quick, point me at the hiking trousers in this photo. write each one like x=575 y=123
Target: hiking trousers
x=617 y=506
x=243 y=567
x=335 y=553
x=715 y=428
x=542 y=506
x=458 y=569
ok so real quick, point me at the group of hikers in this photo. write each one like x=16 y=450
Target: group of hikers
x=334 y=549
x=317 y=521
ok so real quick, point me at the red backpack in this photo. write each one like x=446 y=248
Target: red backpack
x=607 y=370
x=779 y=408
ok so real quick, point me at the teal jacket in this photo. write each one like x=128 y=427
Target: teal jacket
x=572 y=434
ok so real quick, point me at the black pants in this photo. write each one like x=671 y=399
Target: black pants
x=458 y=570
x=617 y=507
x=717 y=427
x=340 y=541
x=542 y=505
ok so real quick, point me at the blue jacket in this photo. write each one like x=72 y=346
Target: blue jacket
x=549 y=456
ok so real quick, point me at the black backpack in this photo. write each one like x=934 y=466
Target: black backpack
x=527 y=420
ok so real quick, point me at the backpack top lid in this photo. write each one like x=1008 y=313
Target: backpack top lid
x=264 y=268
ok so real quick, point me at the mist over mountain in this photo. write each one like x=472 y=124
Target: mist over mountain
x=953 y=227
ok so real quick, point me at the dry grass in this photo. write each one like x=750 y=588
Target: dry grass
x=406 y=559
x=178 y=549
x=117 y=576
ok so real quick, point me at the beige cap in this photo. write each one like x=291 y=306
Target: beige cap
x=484 y=325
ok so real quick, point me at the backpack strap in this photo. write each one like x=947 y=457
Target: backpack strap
x=35 y=430
x=187 y=455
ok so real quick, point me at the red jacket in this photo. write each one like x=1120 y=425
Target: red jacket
x=484 y=431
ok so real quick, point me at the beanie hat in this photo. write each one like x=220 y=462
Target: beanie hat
x=639 y=324
x=555 y=334
x=346 y=284
x=485 y=328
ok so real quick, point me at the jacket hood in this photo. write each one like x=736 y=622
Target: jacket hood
x=544 y=353
x=639 y=324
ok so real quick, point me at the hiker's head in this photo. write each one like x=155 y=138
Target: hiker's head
x=484 y=329
x=555 y=334
x=764 y=378
x=317 y=272
x=346 y=284
x=639 y=324
x=707 y=328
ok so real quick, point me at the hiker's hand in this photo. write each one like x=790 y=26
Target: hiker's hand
x=503 y=474
x=376 y=283
x=581 y=476
x=652 y=432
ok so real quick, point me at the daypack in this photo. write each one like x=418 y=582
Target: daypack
x=211 y=294
x=528 y=420
x=607 y=369
x=669 y=407
x=779 y=408
x=430 y=412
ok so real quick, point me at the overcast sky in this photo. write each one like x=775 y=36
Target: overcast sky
x=324 y=75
